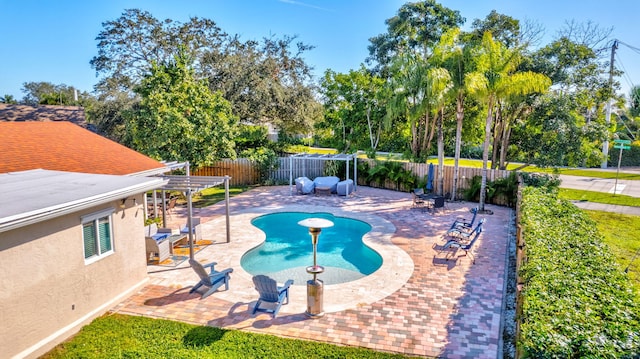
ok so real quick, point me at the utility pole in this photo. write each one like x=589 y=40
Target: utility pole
x=605 y=143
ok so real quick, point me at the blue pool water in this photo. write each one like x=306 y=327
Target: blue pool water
x=287 y=250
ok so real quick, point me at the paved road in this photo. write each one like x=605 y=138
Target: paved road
x=625 y=187
x=608 y=208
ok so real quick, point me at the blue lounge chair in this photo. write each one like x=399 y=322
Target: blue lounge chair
x=213 y=280
x=464 y=233
x=271 y=293
x=464 y=245
x=463 y=223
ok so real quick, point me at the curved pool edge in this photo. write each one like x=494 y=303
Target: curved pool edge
x=397 y=266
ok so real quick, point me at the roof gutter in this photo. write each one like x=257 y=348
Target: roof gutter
x=33 y=217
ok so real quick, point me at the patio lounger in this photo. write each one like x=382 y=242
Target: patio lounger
x=463 y=233
x=463 y=223
x=270 y=293
x=466 y=247
x=213 y=280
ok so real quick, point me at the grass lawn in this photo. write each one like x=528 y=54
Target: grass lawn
x=122 y=336
x=598 y=197
x=620 y=233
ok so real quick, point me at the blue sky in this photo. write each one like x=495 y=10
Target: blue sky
x=54 y=41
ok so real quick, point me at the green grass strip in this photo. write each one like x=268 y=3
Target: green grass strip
x=598 y=197
x=620 y=232
x=122 y=336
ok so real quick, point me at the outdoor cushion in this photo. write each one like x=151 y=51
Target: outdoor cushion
x=160 y=236
x=345 y=187
x=328 y=181
x=304 y=185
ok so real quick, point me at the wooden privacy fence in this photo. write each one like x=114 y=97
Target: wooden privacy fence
x=243 y=172
x=465 y=174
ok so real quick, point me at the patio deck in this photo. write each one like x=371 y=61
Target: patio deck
x=416 y=304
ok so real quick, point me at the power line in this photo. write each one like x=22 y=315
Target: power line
x=625 y=74
x=629 y=46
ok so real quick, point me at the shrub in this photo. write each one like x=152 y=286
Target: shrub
x=551 y=182
x=394 y=171
x=630 y=157
x=576 y=301
x=266 y=160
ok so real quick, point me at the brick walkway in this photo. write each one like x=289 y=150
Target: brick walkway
x=449 y=309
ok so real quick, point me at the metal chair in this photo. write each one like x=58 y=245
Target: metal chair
x=466 y=247
x=438 y=203
x=463 y=223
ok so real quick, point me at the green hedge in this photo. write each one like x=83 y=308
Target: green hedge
x=630 y=157
x=576 y=301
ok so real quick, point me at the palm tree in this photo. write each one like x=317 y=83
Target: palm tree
x=437 y=87
x=454 y=56
x=408 y=72
x=417 y=93
x=495 y=78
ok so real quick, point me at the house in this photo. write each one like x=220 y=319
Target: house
x=44 y=113
x=71 y=230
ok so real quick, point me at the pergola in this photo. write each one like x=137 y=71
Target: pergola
x=325 y=157
x=188 y=185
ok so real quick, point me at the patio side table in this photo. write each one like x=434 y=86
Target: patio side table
x=177 y=239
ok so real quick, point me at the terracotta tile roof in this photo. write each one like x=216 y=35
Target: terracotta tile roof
x=44 y=113
x=63 y=146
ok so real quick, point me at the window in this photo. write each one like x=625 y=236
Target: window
x=97 y=235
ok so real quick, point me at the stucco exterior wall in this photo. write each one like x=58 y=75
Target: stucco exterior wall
x=46 y=289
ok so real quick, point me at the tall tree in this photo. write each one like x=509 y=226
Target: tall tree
x=496 y=77
x=556 y=135
x=415 y=28
x=8 y=99
x=416 y=94
x=266 y=81
x=179 y=118
x=130 y=45
x=503 y=28
x=579 y=71
x=352 y=104
x=47 y=93
x=453 y=54
x=634 y=101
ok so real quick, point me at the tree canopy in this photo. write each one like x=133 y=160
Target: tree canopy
x=179 y=118
x=265 y=81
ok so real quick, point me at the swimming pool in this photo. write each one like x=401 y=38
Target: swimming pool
x=287 y=249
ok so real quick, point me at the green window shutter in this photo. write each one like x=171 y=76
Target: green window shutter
x=105 y=234
x=89 y=237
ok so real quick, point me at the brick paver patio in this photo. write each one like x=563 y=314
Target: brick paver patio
x=449 y=309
